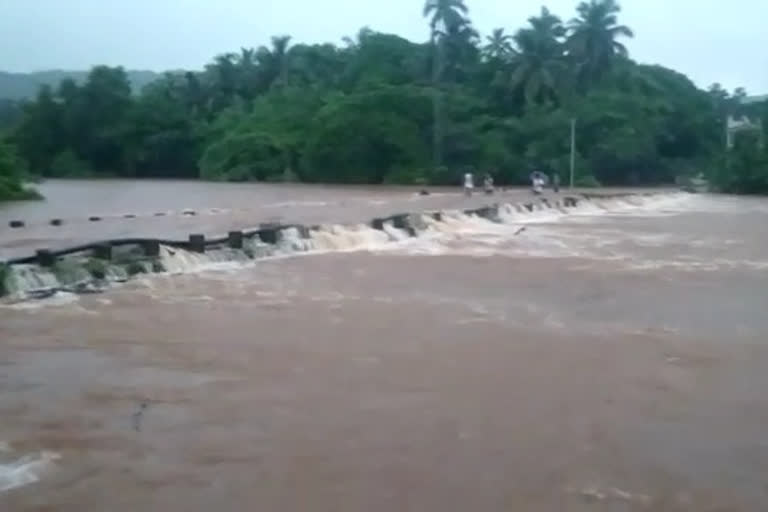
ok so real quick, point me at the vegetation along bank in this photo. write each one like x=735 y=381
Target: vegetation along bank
x=381 y=109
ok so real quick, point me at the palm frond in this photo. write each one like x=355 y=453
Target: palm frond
x=622 y=30
x=460 y=5
x=620 y=49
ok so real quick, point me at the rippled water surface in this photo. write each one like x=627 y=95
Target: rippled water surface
x=611 y=357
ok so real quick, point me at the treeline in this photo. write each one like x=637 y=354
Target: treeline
x=21 y=86
x=381 y=109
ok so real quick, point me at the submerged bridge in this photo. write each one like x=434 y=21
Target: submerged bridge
x=90 y=267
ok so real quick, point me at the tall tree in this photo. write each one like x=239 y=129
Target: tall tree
x=10 y=114
x=39 y=135
x=222 y=78
x=539 y=67
x=721 y=101
x=248 y=73
x=274 y=61
x=383 y=59
x=548 y=25
x=460 y=52
x=106 y=102
x=593 y=39
x=160 y=134
x=359 y=39
x=442 y=15
x=498 y=45
x=317 y=66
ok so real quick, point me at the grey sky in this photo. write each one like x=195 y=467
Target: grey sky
x=709 y=40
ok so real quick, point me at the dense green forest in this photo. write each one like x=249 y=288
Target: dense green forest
x=382 y=109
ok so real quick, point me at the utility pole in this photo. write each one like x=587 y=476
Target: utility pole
x=573 y=149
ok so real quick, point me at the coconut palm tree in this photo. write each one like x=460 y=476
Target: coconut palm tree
x=354 y=43
x=498 y=45
x=222 y=81
x=592 y=40
x=248 y=73
x=460 y=50
x=247 y=57
x=539 y=66
x=224 y=70
x=548 y=25
x=443 y=15
x=273 y=62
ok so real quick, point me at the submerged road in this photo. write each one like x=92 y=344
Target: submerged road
x=174 y=209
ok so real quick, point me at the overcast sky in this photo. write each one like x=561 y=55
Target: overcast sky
x=722 y=41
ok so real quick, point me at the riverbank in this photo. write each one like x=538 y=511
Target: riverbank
x=12 y=186
x=14 y=190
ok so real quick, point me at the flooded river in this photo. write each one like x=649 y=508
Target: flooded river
x=174 y=209
x=612 y=357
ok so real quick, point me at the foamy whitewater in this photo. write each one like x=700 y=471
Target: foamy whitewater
x=545 y=232
x=23 y=470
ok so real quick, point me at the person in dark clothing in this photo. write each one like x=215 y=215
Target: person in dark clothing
x=488 y=184
x=556 y=182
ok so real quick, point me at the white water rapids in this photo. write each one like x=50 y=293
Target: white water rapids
x=516 y=232
x=23 y=470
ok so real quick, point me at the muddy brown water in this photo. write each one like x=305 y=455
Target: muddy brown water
x=611 y=359
x=174 y=209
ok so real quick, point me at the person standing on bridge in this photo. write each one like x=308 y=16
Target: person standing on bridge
x=488 y=184
x=537 y=182
x=469 y=183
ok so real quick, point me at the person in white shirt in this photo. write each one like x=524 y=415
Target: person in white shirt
x=538 y=184
x=469 y=184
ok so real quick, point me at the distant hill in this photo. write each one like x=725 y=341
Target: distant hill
x=17 y=86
